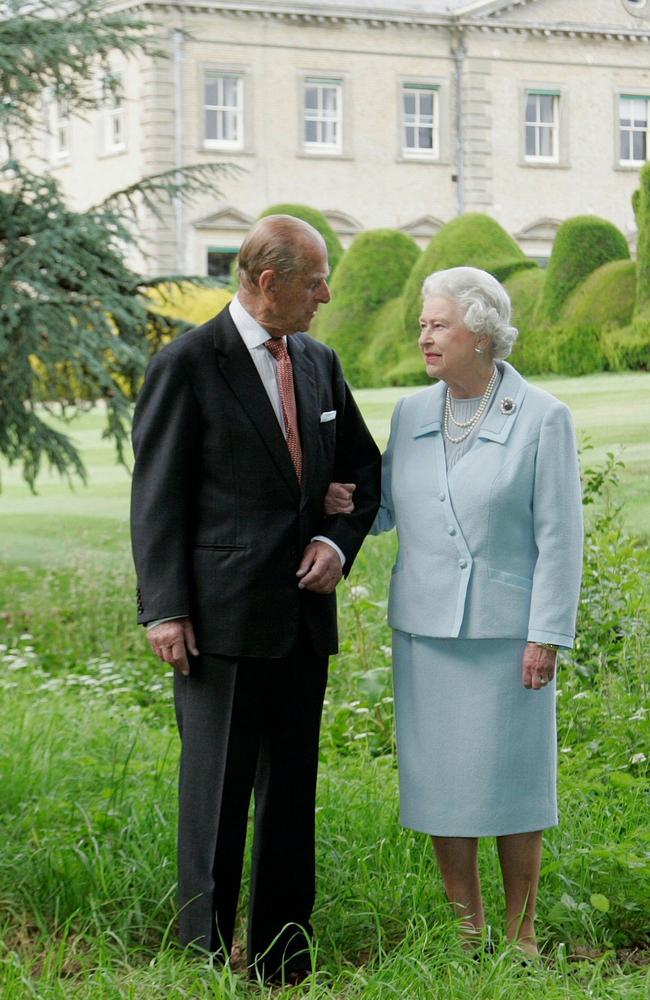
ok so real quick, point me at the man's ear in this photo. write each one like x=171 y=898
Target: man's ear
x=267 y=282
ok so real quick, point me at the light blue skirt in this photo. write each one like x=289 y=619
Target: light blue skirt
x=476 y=750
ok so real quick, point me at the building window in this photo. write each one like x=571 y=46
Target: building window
x=59 y=128
x=542 y=125
x=220 y=262
x=223 y=99
x=113 y=114
x=322 y=116
x=420 y=120
x=633 y=129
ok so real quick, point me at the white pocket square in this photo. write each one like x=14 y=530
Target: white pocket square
x=327 y=415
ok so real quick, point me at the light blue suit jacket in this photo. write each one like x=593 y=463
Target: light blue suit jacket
x=494 y=549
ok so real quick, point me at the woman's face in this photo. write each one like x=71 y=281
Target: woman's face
x=446 y=343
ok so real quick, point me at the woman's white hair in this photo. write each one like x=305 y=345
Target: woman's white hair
x=483 y=302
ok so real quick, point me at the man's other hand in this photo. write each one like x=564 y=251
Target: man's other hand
x=338 y=499
x=320 y=569
x=171 y=641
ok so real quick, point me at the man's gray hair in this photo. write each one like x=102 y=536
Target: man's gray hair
x=483 y=302
x=276 y=243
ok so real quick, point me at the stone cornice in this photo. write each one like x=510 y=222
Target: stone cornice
x=299 y=13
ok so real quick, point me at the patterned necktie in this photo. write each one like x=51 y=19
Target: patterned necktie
x=278 y=349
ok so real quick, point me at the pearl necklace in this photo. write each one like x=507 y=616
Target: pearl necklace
x=470 y=424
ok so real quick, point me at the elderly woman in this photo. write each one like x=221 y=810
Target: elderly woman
x=481 y=480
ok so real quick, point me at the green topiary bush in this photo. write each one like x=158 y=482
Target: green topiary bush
x=642 y=211
x=530 y=354
x=389 y=358
x=582 y=245
x=472 y=240
x=627 y=348
x=605 y=299
x=576 y=350
x=318 y=221
x=372 y=272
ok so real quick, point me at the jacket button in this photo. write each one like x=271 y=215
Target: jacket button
x=441 y=496
x=462 y=563
x=451 y=529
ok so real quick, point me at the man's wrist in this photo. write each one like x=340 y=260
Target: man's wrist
x=161 y=621
x=328 y=541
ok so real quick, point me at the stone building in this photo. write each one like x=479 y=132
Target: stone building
x=392 y=113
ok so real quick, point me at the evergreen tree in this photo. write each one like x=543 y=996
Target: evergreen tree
x=75 y=325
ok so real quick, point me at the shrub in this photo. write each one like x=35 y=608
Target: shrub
x=576 y=350
x=628 y=348
x=389 y=357
x=530 y=354
x=473 y=240
x=605 y=298
x=642 y=212
x=318 y=221
x=372 y=273
x=582 y=245
x=195 y=304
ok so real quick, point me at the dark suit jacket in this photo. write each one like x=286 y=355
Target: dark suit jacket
x=219 y=522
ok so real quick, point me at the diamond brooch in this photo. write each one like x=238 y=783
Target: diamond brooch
x=507 y=405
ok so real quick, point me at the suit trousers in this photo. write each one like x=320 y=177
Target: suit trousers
x=249 y=725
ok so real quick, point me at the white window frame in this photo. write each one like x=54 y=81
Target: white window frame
x=629 y=130
x=420 y=152
x=537 y=124
x=113 y=109
x=58 y=126
x=211 y=74
x=322 y=116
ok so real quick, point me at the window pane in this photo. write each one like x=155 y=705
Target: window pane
x=426 y=105
x=639 y=146
x=546 y=142
x=531 y=108
x=211 y=92
x=409 y=103
x=546 y=108
x=425 y=138
x=329 y=98
x=230 y=92
x=410 y=137
x=625 y=146
x=311 y=132
x=530 y=141
x=211 y=124
x=311 y=98
x=329 y=132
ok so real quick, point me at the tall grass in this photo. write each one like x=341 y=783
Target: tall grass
x=88 y=765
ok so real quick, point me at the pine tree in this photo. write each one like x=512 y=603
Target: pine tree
x=75 y=324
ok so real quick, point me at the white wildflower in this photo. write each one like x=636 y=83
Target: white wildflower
x=638 y=758
x=359 y=591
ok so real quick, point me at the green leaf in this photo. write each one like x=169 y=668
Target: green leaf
x=599 y=902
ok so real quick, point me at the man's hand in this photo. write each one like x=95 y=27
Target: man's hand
x=338 y=499
x=537 y=666
x=320 y=569
x=171 y=641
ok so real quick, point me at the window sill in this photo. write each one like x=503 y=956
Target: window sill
x=627 y=168
x=412 y=158
x=306 y=154
x=225 y=150
x=545 y=164
x=107 y=154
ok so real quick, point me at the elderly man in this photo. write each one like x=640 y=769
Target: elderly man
x=240 y=426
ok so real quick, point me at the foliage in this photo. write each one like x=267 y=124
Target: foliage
x=604 y=299
x=530 y=354
x=389 y=358
x=582 y=244
x=628 y=349
x=575 y=349
x=74 y=327
x=642 y=212
x=190 y=302
x=318 y=221
x=372 y=272
x=473 y=240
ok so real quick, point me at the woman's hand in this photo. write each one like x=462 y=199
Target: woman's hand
x=537 y=666
x=338 y=499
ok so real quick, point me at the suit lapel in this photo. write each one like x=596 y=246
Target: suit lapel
x=241 y=375
x=304 y=380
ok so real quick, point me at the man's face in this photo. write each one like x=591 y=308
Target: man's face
x=296 y=298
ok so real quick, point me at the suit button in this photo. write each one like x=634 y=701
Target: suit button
x=441 y=496
x=462 y=563
x=451 y=529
